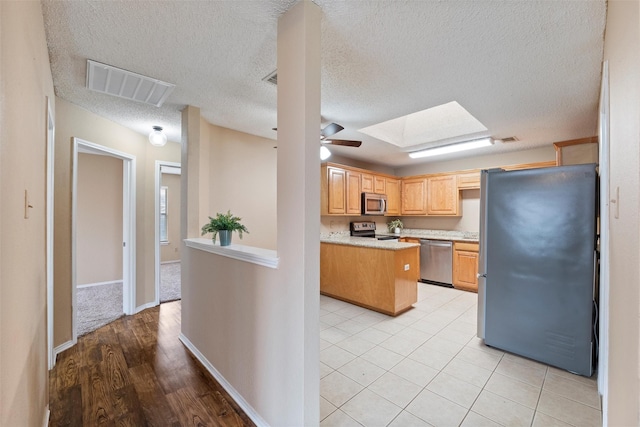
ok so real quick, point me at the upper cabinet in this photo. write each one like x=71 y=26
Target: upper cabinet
x=443 y=196
x=379 y=184
x=414 y=196
x=367 y=182
x=469 y=181
x=392 y=188
x=334 y=182
x=342 y=187
x=353 y=193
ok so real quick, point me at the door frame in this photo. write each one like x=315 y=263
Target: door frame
x=605 y=197
x=128 y=224
x=172 y=168
x=49 y=231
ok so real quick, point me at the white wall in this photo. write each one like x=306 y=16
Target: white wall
x=622 y=39
x=26 y=84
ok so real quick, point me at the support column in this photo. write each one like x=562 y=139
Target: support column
x=299 y=188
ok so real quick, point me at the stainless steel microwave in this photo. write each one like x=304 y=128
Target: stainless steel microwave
x=373 y=204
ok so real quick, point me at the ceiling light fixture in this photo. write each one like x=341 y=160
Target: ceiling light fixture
x=452 y=148
x=324 y=153
x=157 y=138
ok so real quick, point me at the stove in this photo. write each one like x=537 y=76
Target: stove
x=367 y=229
x=363 y=229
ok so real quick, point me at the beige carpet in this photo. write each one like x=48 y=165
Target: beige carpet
x=101 y=305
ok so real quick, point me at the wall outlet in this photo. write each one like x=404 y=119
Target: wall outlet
x=406 y=267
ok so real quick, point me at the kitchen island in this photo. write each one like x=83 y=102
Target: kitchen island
x=376 y=274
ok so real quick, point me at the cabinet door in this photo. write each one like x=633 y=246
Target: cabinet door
x=469 y=181
x=336 y=191
x=366 y=181
x=353 y=193
x=392 y=188
x=378 y=184
x=414 y=196
x=465 y=266
x=443 y=197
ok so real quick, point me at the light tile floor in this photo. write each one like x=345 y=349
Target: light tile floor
x=426 y=367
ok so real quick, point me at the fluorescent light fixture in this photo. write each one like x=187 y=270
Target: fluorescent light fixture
x=324 y=153
x=452 y=148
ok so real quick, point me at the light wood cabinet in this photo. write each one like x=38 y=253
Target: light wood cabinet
x=336 y=184
x=379 y=184
x=414 y=196
x=378 y=279
x=410 y=240
x=469 y=181
x=392 y=188
x=366 y=180
x=340 y=191
x=443 y=197
x=353 y=193
x=465 y=266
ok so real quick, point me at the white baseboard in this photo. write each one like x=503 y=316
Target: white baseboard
x=62 y=347
x=169 y=262
x=47 y=413
x=246 y=407
x=89 y=285
x=145 y=306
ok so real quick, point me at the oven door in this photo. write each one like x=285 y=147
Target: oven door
x=373 y=204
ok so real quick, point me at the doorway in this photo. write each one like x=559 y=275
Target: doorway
x=103 y=235
x=168 y=242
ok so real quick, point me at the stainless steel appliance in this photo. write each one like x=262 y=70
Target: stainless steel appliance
x=373 y=204
x=436 y=258
x=536 y=281
x=367 y=229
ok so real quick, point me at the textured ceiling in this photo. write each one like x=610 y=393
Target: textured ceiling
x=529 y=69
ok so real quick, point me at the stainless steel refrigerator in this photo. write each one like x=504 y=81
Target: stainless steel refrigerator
x=536 y=281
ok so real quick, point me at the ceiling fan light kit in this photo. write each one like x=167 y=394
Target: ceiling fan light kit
x=452 y=148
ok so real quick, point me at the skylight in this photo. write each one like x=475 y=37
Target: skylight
x=443 y=122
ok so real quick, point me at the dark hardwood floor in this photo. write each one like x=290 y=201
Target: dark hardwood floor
x=135 y=372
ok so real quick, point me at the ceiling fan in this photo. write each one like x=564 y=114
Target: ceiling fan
x=325 y=133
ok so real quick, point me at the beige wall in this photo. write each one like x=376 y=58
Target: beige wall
x=25 y=85
x=621 y=50
x=99 y=224
x=73 y=121
x=171 y=250
x=242 y=178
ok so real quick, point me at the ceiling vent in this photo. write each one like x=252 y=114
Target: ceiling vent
x=272 y=78
x=509 y=139
x=125 y=84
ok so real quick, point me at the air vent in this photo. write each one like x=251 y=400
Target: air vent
x=509 y=139
x=272 y=78
x=125 y=84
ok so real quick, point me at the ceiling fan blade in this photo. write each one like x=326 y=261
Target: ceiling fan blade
x=345 y=142
x=330 y=129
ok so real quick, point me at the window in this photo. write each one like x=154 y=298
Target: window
x=164 y=233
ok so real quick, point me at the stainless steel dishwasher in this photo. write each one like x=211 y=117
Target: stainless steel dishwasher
x=436 y=262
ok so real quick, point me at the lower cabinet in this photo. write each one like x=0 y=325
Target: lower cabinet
x=465 y=266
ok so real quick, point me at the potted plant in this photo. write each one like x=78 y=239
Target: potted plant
x=395 y=226
x=224 y=224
